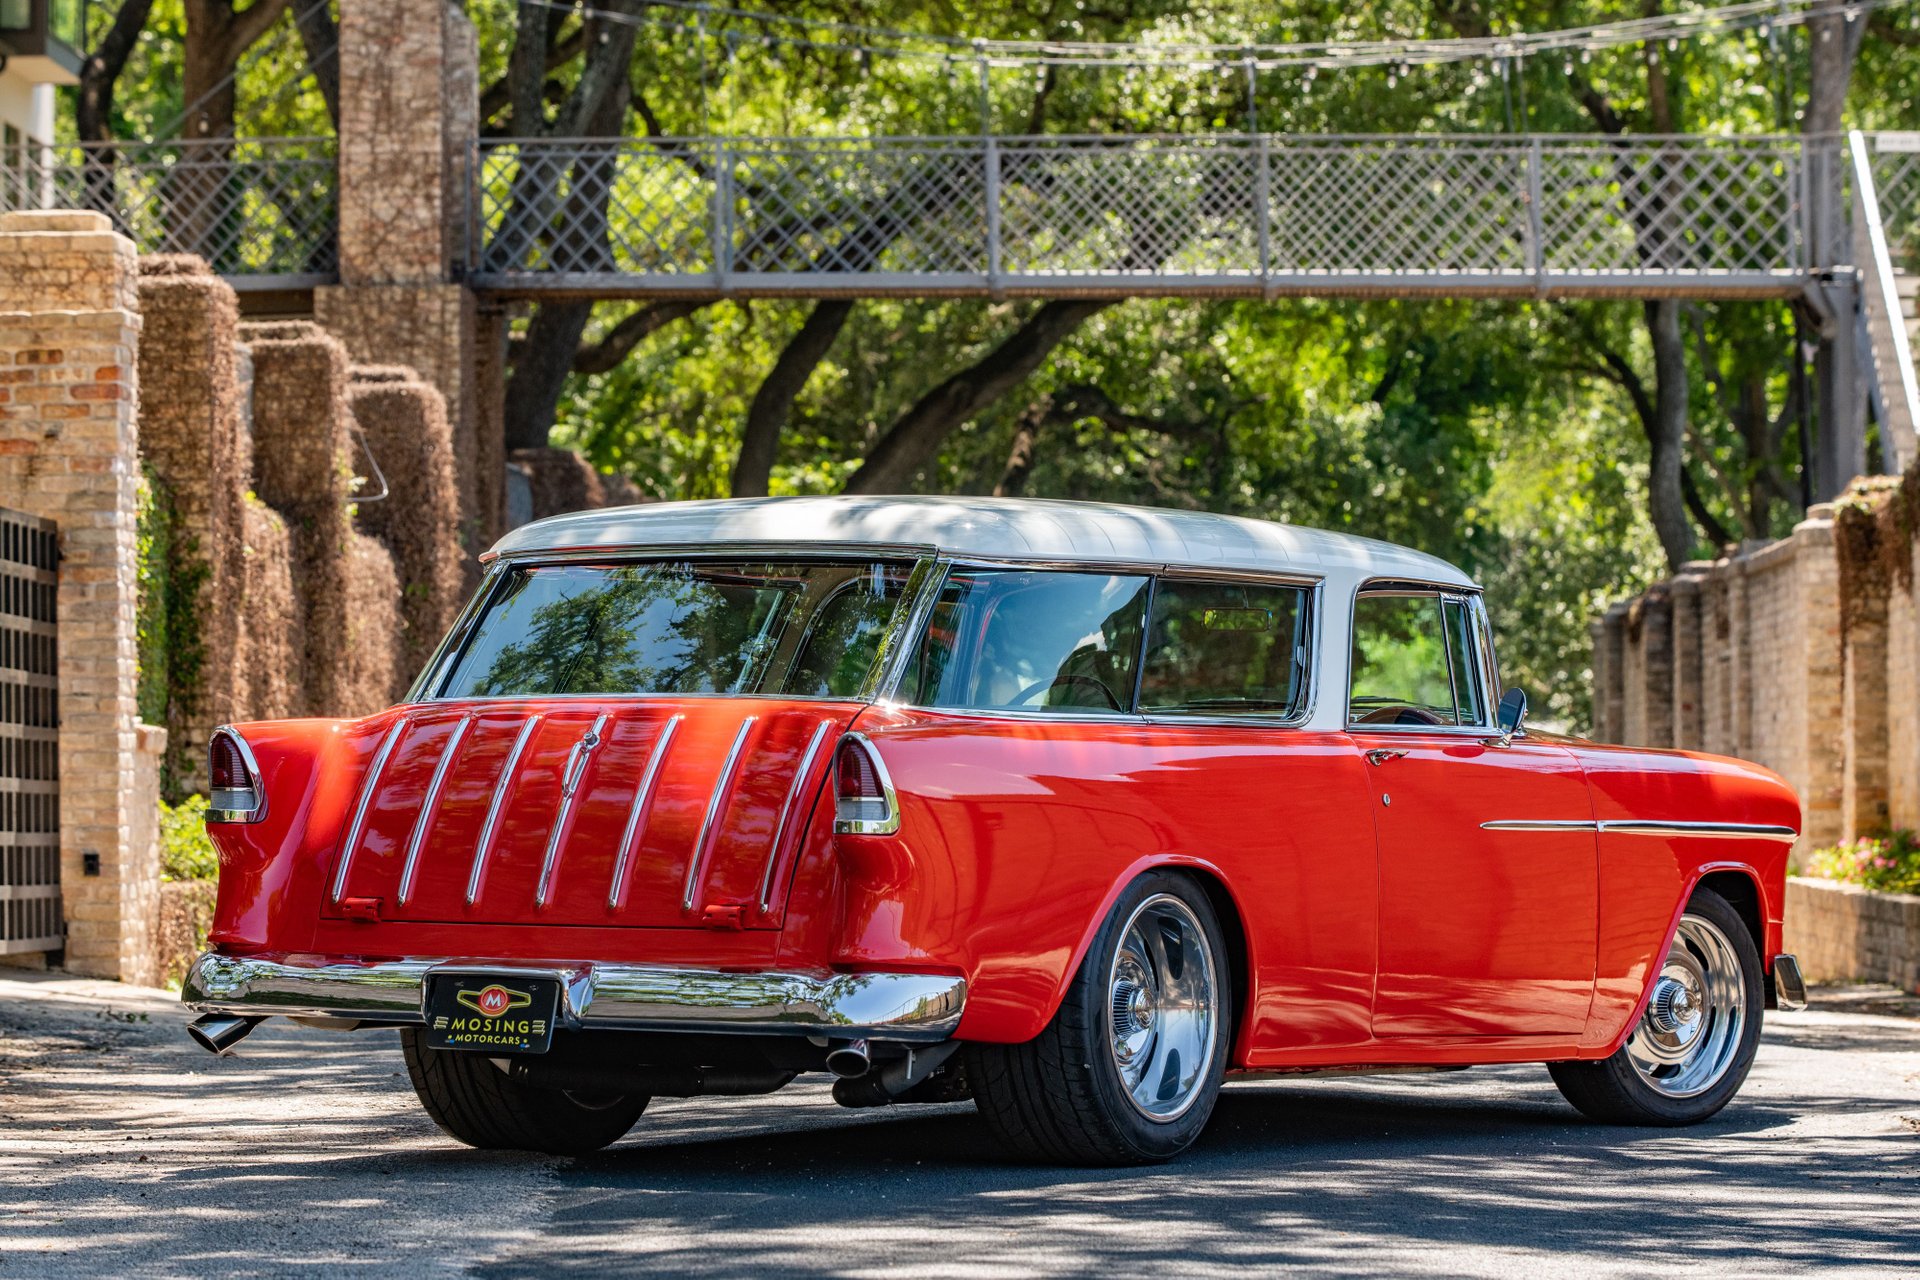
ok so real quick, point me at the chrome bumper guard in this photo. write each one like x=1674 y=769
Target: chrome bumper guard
x=881 y=1006
x=1789 y=988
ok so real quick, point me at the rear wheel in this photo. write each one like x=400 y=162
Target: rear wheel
x=476 y=1102
x=1691 y=1050
x=1130 y=1066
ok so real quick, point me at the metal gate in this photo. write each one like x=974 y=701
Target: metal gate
x=29 y=737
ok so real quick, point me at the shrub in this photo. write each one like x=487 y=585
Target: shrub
x=185 y=851
x=1889 y=863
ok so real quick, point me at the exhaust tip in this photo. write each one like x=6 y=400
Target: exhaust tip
x=218 y=1033
x=849 y=1060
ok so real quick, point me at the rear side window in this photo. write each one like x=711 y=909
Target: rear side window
x=1415 y=661
x=1031 y=640
x=1217 y=648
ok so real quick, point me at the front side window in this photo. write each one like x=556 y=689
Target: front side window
x=1218 y=648
x=1031 y=640
x=698 y=627
x=1415 y=661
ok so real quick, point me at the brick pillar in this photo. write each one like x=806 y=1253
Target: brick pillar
x=1739 y=740
x=408 y=119
x=1648 y=721
x=1716 y=665
x=1689 y=660
x=69 y=325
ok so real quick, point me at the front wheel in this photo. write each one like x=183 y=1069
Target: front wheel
x=1691 y=1050
x=1129 y=1068
x=476 y=1102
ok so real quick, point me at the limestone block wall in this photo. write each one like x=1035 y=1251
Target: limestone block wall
x=69 y=325
x=1842 y=933
x=1741 y=656
x=405 y=424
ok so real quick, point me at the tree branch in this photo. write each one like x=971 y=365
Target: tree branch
x=915 y=436
x=249 y=25
x=101 y=71
x=767 y=415
x=320 y=36
x=498 y=96
x=634 y=328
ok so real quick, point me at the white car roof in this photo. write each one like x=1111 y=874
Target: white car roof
x=988 y=528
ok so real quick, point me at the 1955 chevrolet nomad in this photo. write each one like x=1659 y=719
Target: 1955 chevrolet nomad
x=1073 y=810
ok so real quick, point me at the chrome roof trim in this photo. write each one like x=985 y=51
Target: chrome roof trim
x=1000 y=529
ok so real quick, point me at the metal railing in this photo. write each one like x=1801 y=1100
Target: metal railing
x=261 y=211
x=1236 y=214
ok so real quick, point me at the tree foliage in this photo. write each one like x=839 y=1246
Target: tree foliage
x=1515 y=438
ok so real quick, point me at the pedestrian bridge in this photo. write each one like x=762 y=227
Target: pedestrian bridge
x=1044 y=216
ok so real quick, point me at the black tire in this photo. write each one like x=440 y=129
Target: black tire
x=475 y=1102
x=1059 y=1097
x=1615 y=1091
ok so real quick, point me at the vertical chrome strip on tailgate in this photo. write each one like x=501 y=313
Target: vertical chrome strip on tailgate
x=642 y=807
x=807 y=758
x=500 y=789
x=571 y=777
x=430 y=805
x=721 y=786
x=367 y=789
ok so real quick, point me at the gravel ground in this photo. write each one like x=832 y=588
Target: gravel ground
x=126 y=1151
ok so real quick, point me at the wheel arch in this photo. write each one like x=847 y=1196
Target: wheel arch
x=1228 y=912
x=1739 y=885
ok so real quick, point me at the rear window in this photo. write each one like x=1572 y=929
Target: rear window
x=765 y=628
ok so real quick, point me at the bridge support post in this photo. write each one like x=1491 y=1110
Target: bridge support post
x=409 y=117
x=1841 y=451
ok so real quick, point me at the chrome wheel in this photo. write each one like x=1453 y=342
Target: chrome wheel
x=1691 y=1031
x=1164 y=1008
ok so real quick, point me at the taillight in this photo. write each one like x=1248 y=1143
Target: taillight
x=234 y=780
x=863 y=801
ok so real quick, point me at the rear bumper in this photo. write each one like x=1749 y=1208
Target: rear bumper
x=886 y=1006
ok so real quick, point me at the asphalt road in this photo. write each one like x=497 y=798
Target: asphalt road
x=126 y=1151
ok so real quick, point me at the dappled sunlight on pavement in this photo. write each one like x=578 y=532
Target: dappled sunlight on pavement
x=123 y=1149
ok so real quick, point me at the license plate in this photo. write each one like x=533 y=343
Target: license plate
x=488 y=1014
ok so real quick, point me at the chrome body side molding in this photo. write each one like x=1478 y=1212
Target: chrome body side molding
x=430 y=805
x=642 y=807
x=570 y=778
x=491 y=826
x=367 y=789
x=722 y=788
x=1715 y=830
x=885 y=1006
x=807 y=759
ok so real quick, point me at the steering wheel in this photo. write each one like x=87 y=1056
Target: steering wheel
x=1032 y=691
x=1400 y=715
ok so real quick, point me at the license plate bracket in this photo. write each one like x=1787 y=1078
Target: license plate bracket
x=491 y=1013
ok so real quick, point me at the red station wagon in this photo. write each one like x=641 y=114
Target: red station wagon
x=1074 y=810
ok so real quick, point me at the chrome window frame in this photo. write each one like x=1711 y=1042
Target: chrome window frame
x=1312 y=587
x=1473 y=601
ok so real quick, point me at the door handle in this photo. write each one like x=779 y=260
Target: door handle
x=1380 y=755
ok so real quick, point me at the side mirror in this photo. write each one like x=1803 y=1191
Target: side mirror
x=1513 y=711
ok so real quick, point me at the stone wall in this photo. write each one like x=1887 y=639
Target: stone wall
x=69 y=325
x=1739 y=656
x=1841 y=933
